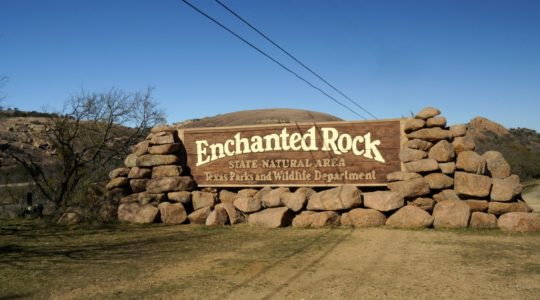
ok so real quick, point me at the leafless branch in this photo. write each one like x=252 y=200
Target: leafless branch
x=93 y=131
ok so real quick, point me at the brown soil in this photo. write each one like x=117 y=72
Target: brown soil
x=243 y=262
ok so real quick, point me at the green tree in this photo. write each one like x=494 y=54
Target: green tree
x=94 y=131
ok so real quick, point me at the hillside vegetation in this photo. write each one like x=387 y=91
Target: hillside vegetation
x=520 y=146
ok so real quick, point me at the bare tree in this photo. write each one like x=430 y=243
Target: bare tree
x=94 y=131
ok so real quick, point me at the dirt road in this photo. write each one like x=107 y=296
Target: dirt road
x=531 y=194
x=243 y=262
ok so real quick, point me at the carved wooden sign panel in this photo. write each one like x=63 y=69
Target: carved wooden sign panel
x=307 y=154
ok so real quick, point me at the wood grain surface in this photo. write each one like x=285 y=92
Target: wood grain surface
x=296 y=168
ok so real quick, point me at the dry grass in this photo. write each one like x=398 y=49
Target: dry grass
x=188 y=262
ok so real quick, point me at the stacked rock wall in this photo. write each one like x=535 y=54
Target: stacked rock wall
x=444 y=184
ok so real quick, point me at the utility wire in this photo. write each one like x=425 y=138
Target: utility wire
x=294 y=58
x=272 y=59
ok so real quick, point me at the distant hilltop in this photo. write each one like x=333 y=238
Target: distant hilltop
x=520 y=146
x=259 y=116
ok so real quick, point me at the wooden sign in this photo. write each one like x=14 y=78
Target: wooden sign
x=308 y=154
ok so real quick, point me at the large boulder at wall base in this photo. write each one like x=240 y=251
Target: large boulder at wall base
x=423 y=165
x=472 y=185
x=294 y=201
x=316 y=219
x=451 y=214
x=477 y=205
x=306 y=191
x=338 y=198
x=227 y=196
x=170 y=184
x=505 y=189
x=427 y=112
x=250 y=192
x=217 y=217
x=261 y=193
x=172 y=213
x=152 y=160
x=496 y=164
x=324 y=219
x=137 y=213
x=199 y=216
x=272 y=217
x=499 y=208
x=363 y=217
x=519 y=222
x=410 y=188
x=410 y=217
x=433 y=135
x=149 y=198
x=248 y=204
x=304 y=219
x=234 y=216
x=481 y=220
x=426 y=204
x=443 y=151
x=273 y=198
x=383 y=200
x=203 y=199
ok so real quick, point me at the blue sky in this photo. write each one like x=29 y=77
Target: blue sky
x=467 y=58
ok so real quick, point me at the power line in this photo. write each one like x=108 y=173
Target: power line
x=272 y=59
x=294 y=58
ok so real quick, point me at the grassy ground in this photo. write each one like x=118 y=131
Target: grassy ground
x=243 y=262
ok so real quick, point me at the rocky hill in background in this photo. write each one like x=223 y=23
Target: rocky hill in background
x=25 y=133
x=260 y=116
x=521 y=146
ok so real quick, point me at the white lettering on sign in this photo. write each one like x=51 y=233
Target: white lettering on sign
x=332 y=141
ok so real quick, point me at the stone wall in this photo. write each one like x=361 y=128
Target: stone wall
x=446 y=184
